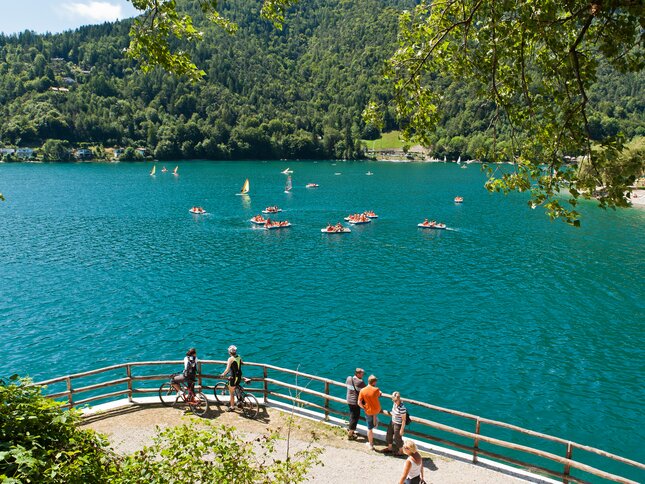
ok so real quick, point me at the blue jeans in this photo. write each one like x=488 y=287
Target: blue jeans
x=371 y=421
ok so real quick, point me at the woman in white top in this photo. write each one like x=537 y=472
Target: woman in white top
x=413 y=468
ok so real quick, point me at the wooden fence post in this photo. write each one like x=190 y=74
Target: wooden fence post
x=567 y=467
x=265 y=375
x=199 y=375
x=128 y=373
x=476 y=445
x=70 y=399
x=327 y=400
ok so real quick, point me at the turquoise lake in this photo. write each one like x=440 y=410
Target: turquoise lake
x=506 y=315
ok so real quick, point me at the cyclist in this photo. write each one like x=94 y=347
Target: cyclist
x=189 y=373
x=234 y=371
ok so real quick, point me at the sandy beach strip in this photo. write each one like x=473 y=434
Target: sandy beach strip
x=131 y=428
x=638 y=197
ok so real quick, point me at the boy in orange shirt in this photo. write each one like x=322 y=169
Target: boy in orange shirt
x=368 y=400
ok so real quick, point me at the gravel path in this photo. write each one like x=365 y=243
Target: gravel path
x=131 y=428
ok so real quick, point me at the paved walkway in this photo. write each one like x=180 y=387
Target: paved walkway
x=345 y=461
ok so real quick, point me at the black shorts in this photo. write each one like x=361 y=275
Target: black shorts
x=234 y=381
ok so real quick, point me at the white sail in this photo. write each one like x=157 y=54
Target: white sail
x=245 y=188
x=154 y=170
x=175 y=171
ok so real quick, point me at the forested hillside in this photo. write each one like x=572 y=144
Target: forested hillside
x=295 y=93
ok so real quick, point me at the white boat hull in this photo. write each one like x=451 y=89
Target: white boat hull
x=436 y=226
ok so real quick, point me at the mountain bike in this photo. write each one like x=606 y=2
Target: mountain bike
x=170 y=397
x=247 y=402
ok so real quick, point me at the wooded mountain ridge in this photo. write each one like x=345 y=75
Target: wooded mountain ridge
x=267 y=94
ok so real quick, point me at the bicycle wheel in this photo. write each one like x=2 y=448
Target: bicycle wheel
x=168 y=395
x=221 y=393
x=199 y=406
x=250 y=407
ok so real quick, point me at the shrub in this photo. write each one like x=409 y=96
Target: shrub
x=40 y=442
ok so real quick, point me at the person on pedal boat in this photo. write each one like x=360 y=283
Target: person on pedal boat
x=189 y=373
x=234 y=372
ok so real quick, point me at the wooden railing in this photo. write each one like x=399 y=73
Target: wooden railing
x=324 y=401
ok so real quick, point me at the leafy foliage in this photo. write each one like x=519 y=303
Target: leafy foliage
x=294 y=93
x=532 y=66
x=39 y=442
x=214 y=454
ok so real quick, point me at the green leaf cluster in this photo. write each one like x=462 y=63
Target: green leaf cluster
x=214 y=454
x=533 y=70
x=39 y=442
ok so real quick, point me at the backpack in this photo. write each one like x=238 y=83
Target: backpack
x=408 y=419
x=191 y=371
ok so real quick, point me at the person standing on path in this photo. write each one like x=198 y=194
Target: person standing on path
x=354 y=385
x=368 y=401
x=234 y=372
x=396 y=428
x=413 y=467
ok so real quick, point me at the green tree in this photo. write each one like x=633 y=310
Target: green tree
x=534 y=62
x=56 y=150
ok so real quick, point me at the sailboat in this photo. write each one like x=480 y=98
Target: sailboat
x=444 y=159
x=287 y=171
x=245 y=188
x=154 y=170
x=288 y=186
x=175 y=171
x=459 y=160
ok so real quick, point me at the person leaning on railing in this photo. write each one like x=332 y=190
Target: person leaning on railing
x=354 y=385
x=396 y=429
x=368 y=401
x=234 y=371
x=190 y=371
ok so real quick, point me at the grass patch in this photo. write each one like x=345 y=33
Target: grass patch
x=387 y=141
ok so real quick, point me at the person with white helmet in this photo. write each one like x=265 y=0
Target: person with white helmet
x=234 y=372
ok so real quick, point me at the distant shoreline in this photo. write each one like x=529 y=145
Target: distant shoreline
x=637 y=198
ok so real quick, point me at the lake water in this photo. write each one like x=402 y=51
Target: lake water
x=506 y=315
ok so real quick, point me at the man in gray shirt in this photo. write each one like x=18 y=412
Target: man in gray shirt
x=354 y=385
